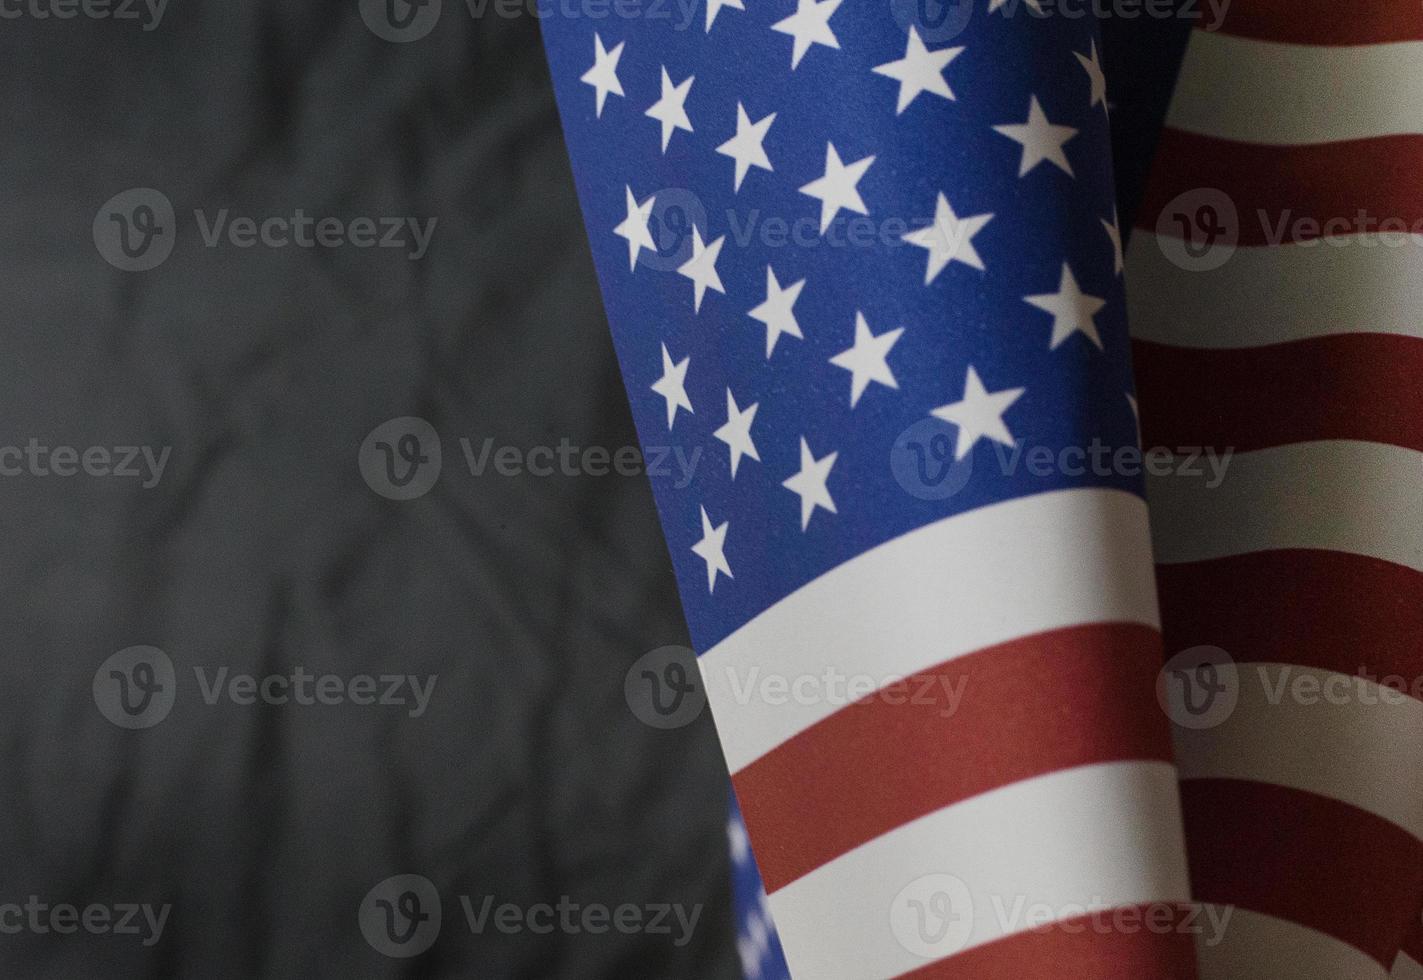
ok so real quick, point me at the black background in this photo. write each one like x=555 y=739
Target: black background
x=262 y=548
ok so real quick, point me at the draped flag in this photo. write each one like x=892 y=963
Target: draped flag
x=868 y=261
x=1276 y=277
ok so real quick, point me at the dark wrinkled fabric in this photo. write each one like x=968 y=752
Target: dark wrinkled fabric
x=262 y=549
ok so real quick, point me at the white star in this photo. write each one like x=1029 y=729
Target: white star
x=810 y=24
x=948 y=239
x=745 y=147
x=634 y=226
x=603 y=76
x=776 y=312
x=736 y=433
x=995 y=4
x=836 y=189
x=1093 y=67
x=740 y=843
x=673 y=385
x=866 y=360
x=671 y=109
x=920 y=70
x=1071 y=310
x=714 y=8
x=979 y=415
x=1114 y=232
x=1041 y=140
x=809 y=483
x=701 y=267
x=712 y=550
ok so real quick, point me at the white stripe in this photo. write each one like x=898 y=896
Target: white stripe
x=1275 y=294
x=1052 y=847
x=1262 y=947
x=1364 y=498
x=1326 y=733
x=1406 y=968
x=950 y=588
x=1291 y=94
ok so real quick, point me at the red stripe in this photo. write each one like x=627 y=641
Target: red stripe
x=1304 y=858
x=1326 y=182
x=1127 y=949
x=1413 y=939
x=1036 y=705
x=1311 y=608
x=1323 y=22
x=1354 y=386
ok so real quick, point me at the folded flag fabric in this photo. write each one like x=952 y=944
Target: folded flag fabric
x=757 y=944
x=1409 y=963
x=868 y=262
x=1277 y=312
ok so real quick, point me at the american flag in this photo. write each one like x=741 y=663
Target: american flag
x=869 y=261
x=757 y=944
x=1276 y=307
